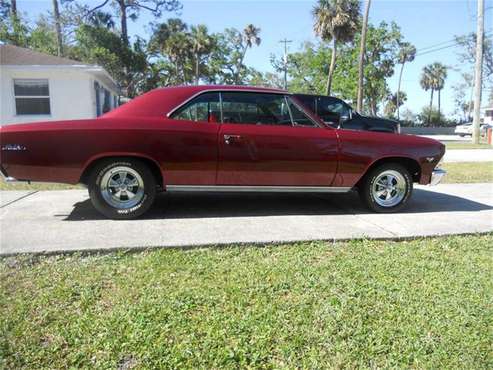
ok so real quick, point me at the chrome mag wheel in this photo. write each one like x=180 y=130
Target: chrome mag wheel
x=122 y=187
x=389 y=188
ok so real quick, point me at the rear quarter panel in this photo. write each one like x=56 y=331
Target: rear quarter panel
x=61 y=151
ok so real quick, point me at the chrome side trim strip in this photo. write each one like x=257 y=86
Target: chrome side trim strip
x=266 y=189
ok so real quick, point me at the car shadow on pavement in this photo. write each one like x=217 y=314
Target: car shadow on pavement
x=208 y=205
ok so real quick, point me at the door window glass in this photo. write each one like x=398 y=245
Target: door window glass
x=299 y=117
x=204 y=108
x=255 y=108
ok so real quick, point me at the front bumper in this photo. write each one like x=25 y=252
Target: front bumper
x=5 y=176
x=437 y=176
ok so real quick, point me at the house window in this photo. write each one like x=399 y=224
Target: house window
x=31 y=97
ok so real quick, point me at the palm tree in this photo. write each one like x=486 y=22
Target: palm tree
x=172 y=39
x=250 y=37
x=336 y=21
x=439 y=72
x=202 y=43
x=407 y=53
x=426 y=83
x=362 y=57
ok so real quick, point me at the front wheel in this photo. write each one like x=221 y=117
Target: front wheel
x=387 y=188
x=122 y=189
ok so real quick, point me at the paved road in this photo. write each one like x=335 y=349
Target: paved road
x=66 y=221
x=469 y=155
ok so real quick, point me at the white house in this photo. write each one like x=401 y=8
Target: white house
x=41 y=87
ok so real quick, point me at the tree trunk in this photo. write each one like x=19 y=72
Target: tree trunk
x=332 y=66
x=238 y=67
x=478 y=72
x=431 y=107
x=399 y=90
x=123 y=21
x=197 y=67
x=58 y=28
x=439 y=103
x=13 y=9
x=362 y=46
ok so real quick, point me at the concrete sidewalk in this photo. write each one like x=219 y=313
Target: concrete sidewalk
x=469 y=155
x=65 y=220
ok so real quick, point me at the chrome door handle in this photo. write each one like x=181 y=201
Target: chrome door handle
x=228 y=139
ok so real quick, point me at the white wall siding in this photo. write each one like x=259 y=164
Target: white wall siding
x=71 y=93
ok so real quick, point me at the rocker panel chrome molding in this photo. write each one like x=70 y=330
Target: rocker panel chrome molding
x=266 y=189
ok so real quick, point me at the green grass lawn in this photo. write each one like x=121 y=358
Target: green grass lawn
x=468 y=172
x=465 y=145
x=423 y=304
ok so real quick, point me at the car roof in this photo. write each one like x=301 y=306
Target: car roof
x=162 y=101
x=194 y=89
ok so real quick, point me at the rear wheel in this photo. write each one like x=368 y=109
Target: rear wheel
x=122 y=189
x=387 y=188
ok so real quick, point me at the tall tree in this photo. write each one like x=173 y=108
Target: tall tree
x=407 y=53
x=171 y=40
x=58 y=28
x=361 y=60
x=202 y=43
x=13 y=8
x=439 y=75
x=132 y=8
x=426 y=83
x=250 y=37
x=336 y=21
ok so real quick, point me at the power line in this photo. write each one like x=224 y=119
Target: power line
x=434 y=48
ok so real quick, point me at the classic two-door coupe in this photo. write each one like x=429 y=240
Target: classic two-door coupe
x=216 y=138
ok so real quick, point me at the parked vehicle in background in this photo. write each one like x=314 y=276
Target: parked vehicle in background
x=488 y=116
x=338 y=113
x=217 y=138
x=464 y=129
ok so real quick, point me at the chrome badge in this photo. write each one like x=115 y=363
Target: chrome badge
x=14 y=147
x=430 y=159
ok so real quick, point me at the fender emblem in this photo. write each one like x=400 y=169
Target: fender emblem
x=430 y=159
x=14 y=147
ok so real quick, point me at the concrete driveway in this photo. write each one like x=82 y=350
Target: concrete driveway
x=65 y=220
x=468 y=155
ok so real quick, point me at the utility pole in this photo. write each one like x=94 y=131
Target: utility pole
x=285 y=61
x=478 y=71
x=361 y=65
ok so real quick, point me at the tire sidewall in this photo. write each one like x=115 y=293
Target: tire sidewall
x=368 y=194
x=122 y=214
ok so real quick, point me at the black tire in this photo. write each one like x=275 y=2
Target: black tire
x=146 y=191
x=368 y=196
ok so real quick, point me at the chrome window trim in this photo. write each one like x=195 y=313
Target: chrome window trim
x=221 y=90
x=317 y=125
x=248 y=188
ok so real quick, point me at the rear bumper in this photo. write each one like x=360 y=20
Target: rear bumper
x=437 y=176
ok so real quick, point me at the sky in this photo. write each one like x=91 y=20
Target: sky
x=424 y=23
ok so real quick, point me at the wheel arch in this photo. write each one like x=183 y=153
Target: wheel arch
x=411 y=164
x=151 y=163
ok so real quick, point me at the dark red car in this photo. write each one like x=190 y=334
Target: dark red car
x=216 y=138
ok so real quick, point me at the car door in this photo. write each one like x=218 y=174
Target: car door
x=189 y=142
x=266 y=139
